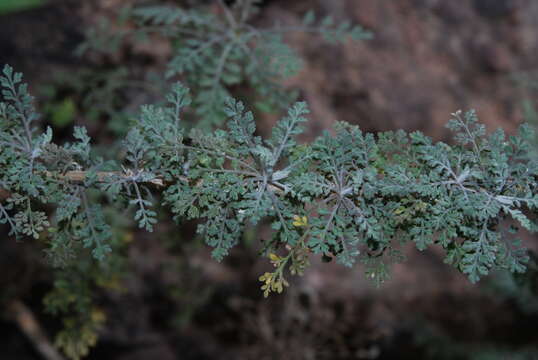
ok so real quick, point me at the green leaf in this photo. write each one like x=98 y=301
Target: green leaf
x=10 y=6
x=63 y=113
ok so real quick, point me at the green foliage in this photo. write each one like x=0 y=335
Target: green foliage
x=100 y=95
x=528 y=82
x=346 y=195
x=213 y=51
x=74 y=297
x=10 y=6
x=63 y=113
x=359 y=194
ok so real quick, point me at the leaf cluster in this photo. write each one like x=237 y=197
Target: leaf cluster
x=347 y=195
x=214 y=50
x=360 y=196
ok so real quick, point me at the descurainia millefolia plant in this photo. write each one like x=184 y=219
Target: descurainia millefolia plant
x=349 y=195
x=352 y=196
x=215 y=50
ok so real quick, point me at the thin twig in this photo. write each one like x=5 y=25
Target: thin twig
x=30 y=327
x=102 y=176
x=78 y=177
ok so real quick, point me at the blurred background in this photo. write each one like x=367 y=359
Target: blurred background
x=428 y=59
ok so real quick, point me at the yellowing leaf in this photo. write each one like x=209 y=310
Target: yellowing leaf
x=300 y=221
x=274 y=257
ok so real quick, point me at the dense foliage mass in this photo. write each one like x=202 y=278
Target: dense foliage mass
x=349 y=195
x=346 y=195
x=213 y=51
